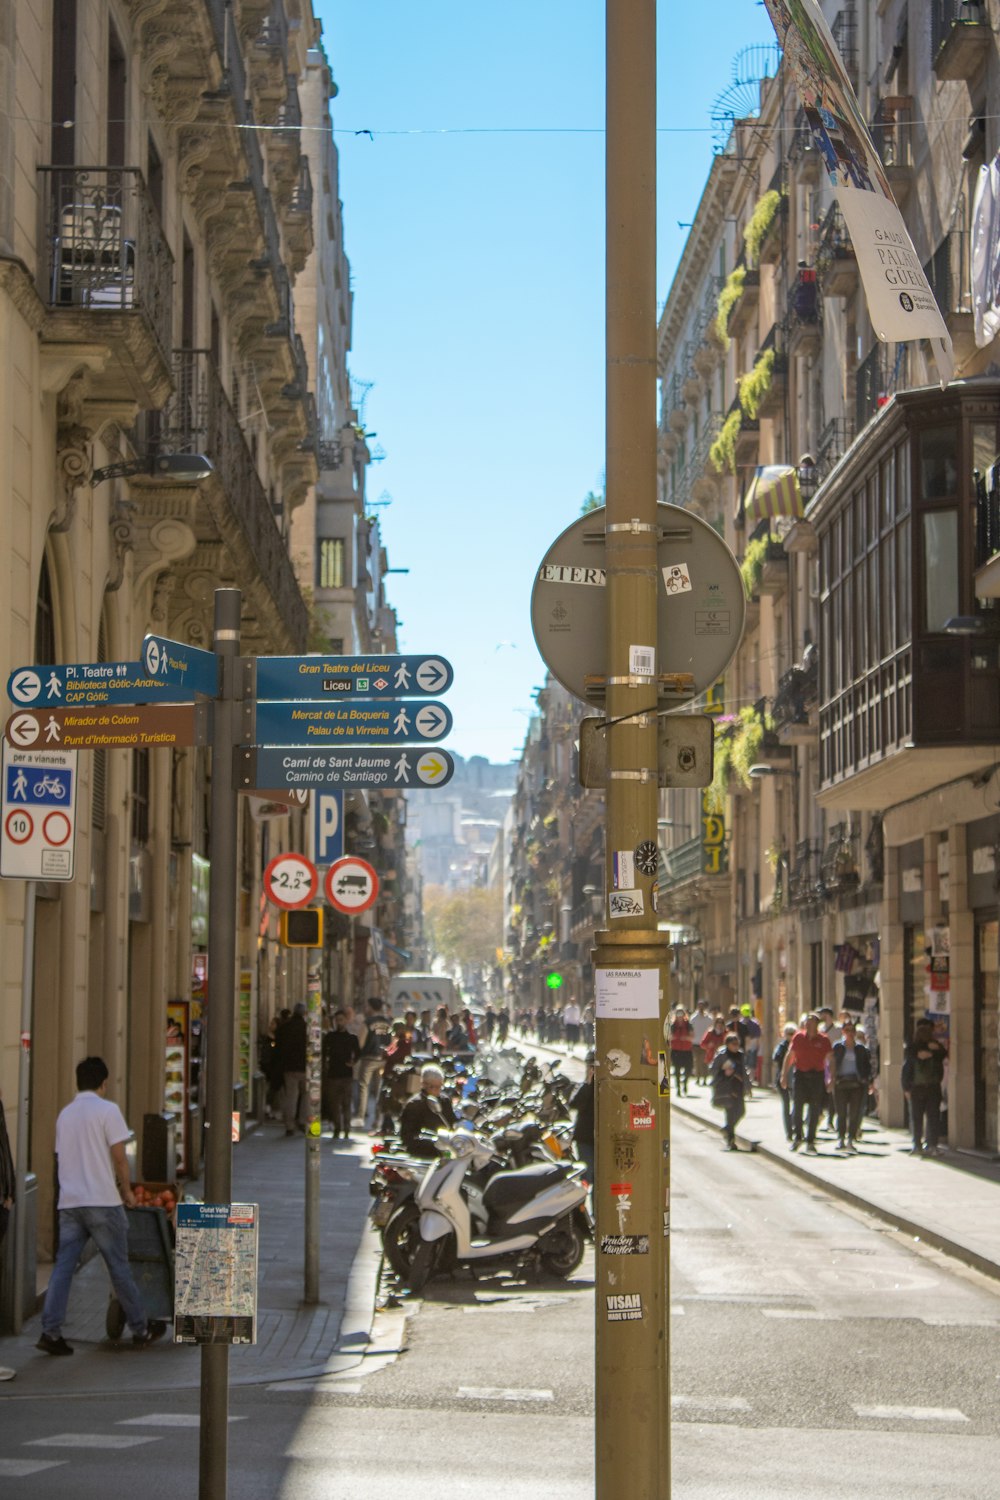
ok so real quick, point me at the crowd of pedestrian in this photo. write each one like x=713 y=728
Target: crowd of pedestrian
x=823 y=1071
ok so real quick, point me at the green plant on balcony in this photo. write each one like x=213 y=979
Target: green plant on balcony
x=748 y=741
x=728 y=298
x=715 y=792
x=752 y=565
x=722 y=453
x=755 y=385
x=759 y=223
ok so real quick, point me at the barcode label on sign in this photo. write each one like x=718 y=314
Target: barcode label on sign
x=642 y=661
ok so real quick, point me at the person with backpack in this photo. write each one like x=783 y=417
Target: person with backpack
x=851 y=1076
x=729 y=1086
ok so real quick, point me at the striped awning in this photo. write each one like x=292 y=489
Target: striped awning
x=774 y=491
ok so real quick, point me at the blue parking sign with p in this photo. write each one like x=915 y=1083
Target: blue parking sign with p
x=328 y=827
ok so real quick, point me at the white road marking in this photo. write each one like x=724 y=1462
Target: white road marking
x=933 y=1322
x=501 y=1393
x=912 y=1413
x=167 y=1419
x=676 y=1311
x=801 y=1314
x=90 y=1440
x=711 y=1403
x=332 y=1387
x=21 y=1468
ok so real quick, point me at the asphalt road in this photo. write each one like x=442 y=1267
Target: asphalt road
x=814 y=1353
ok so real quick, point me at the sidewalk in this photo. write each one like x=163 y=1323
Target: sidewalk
x=292 y=1340
x=951 y=1201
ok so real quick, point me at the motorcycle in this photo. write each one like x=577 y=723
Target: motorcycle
x=470 y=1211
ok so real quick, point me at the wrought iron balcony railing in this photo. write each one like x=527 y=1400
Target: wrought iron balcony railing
x=104 y=248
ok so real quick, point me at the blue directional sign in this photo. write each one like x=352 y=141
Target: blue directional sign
x=89 y=684
x=328 y=828
x=330 y=677
x=303 y=722
x=183 y=666
x=301 y=767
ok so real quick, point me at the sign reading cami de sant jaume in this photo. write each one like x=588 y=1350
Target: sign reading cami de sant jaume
x=901 y=304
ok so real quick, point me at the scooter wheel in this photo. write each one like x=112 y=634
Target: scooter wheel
x=566 y=1251
x=421 y=1266
x=401 y=1239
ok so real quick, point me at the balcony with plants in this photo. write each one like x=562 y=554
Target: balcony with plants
x=742 y=740
x=737 y=303
x=764 y=565
x=736 y=441
x=763 y=389
x=106 y=277
x=763 y=232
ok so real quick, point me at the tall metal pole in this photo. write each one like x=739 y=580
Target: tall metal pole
x=314 y=1126
x=213 y=1465
x=631 y=958
x=24 y=1107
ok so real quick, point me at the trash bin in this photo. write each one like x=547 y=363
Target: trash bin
x=159 y=1148
x=151 y=1260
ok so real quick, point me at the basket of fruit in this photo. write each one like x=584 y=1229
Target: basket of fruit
x=150 y=1254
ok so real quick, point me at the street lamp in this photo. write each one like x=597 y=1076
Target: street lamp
x=180 y=468
x=808 y=476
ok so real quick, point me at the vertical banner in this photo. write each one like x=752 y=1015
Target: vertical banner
x=901 y=304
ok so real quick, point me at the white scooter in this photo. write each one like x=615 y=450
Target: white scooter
x=464 y=1214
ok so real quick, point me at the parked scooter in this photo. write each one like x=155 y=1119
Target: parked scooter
x=469 y=1211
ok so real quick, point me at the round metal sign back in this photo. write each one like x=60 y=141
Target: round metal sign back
x=701 y=603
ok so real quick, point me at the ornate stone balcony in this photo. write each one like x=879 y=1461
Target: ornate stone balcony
x=106 y=278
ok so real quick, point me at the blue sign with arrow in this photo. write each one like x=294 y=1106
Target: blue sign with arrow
x=302 y=767
x=184 y=666
x=303 y=722
x=90 y=684
x=330 y=677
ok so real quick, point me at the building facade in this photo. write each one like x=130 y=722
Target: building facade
x=846 y=852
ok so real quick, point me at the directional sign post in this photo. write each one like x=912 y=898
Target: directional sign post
x=301 y=767
x=144 y=725
x=296 y=722
x=38 y=814
x=180 y=665
x=327 y=677
x=91 y=684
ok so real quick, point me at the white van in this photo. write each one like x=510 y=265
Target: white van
x=422 y=992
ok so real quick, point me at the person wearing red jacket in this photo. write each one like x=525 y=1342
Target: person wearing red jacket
x=681 y=1049
x=807 y=1053
x=713 y=1040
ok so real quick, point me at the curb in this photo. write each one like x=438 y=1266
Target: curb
x=798 y=1169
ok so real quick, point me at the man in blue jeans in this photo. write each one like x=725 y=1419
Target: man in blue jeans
x=94 y=1185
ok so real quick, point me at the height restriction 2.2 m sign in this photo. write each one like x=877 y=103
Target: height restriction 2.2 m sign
x=38 y=814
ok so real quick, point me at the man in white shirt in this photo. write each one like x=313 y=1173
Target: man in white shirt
x=571 y=1023
x=94 y=1185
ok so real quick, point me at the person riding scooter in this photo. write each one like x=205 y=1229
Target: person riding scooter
x=426 y=1112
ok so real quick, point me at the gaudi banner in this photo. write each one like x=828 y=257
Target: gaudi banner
x=901 y=304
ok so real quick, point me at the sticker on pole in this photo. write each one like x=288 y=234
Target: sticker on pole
x=351 y=885
x=290 y=880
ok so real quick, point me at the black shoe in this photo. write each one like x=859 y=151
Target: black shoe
x=53 y=1344
x=155 y=1329
x=289 y=1132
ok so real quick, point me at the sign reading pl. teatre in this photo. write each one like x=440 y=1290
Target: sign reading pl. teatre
x=901 y=304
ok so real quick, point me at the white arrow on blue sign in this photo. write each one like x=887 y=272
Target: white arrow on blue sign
x=330 y=677
x=186 y=666
x=88 y=684
x=295 y=767
x=303 y=722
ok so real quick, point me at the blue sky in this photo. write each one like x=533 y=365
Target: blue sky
x=474 y=224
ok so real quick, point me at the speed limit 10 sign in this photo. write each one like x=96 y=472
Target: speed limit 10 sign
x=290 y=880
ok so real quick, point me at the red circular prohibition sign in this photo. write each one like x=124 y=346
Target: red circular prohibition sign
x=60 y=821
x=19 y=812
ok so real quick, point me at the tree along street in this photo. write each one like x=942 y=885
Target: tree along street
x=814 y=1351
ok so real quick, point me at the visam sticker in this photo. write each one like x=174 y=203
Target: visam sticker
x=624 y=1307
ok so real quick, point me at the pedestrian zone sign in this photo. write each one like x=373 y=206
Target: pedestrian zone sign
x=38 y=814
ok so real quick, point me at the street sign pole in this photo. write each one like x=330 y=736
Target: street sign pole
x=631 y=957
x=222 y=924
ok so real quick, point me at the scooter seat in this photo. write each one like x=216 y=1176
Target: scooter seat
x=508 y=1190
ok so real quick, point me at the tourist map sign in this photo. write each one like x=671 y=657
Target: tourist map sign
x=141 y=725
x=38 y=814
x=299 y=722
x=302 y=767
x=180 y=665
x=215 y=1273
x=352 y=676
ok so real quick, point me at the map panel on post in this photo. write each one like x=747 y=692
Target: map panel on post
x=302 y=767
x=327 y=677
x=301 y=722
x=88 y=684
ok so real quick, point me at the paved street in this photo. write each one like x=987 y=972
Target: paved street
x=800 y=1326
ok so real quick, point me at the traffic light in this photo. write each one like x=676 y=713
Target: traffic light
x=302 y=928
x=554 y=981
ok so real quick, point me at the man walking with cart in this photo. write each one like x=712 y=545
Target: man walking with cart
x=94 y=1191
